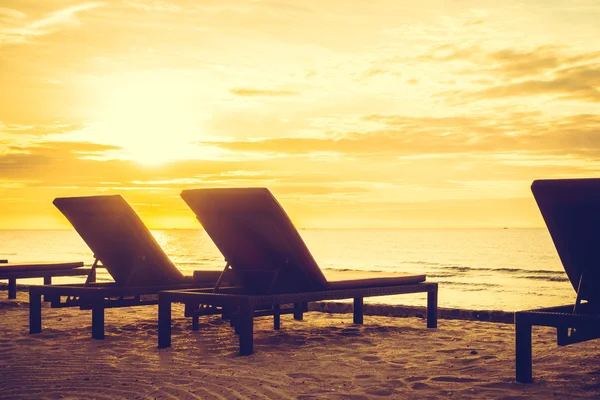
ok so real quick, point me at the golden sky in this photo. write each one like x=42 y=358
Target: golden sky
x=373 y=114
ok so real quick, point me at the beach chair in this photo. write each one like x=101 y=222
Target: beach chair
x=46 y=270
x=571 y=210
x=127 y=250
x=265 y=252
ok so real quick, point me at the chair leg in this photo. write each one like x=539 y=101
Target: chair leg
x=358 y=310
x=98 y=319
x=12 y=288
x=190 y=309
x=523 y=356
x=35 y=311
x=164 y=323
x=235 y=321
x=245 y=326
x=47 y=281
x=432 y=308
x=226 y=315
x=562 y=335
x=276 y=317
x=298 y=311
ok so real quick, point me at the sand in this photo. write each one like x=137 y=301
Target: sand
x=323 y=357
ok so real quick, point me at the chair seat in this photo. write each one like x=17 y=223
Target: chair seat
x=333 y=282
x=39 y=266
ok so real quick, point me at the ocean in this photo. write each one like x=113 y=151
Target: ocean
x=481 y=269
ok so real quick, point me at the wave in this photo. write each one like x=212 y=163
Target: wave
x=474 y=285
x=505 y=269
x=353 y=270
x=454 y=271
x=424 y=263
x=441 y=275
x=544 y=278
x=203 y=262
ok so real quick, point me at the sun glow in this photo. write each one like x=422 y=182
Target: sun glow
x=152 y=118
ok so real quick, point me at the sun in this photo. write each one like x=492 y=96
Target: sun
x=152 y=118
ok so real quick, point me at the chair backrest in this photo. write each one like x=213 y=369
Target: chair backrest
x=120 y=240
x=571 y=210
x=257 y=238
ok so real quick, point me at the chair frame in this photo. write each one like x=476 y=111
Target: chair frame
x=96 y=297
x=243 y=307
x=47 y=274
x=574 y=242
x=574 y=324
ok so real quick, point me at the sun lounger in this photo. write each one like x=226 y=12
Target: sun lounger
x=127 y=250
x=265 y=252
x=46 y=270
x=571 y=210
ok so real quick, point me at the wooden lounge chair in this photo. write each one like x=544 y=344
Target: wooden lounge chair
x=46 y=270
x=124 y=246
x=264 y=250
x=571 y=210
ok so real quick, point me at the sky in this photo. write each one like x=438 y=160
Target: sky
x=355 y=114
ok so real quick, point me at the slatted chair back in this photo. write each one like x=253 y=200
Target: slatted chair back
x=571 y=210
x=119 y=240
x=257 y=239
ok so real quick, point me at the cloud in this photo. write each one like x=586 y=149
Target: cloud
x=54 y=161
x=15 y=29
x=38 y=129
x=400 y=135
x=10 y=16
x=514 y=63
x=371 y=72
x=157 y=6
x=552 y=71
x=571 y=83
x=263 y=92
x=80 y=148
x=511 y=62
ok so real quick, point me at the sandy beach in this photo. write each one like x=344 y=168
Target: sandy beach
x=323 y=357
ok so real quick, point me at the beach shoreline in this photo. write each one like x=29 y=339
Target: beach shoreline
x=323 y=356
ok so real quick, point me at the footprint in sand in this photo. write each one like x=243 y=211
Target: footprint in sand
x=26 y=341
x=453 y=379
x=378 y=391
x=395 y=383
x=420 y=386
x=128 y=328
x=349 y=333
x=488 y=357
x=301 y=375
x=353 y=397
x=370 y=358
x=450 y=338
x=415 y=378
x=591 y=387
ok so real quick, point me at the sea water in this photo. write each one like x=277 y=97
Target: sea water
x=482 y=269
